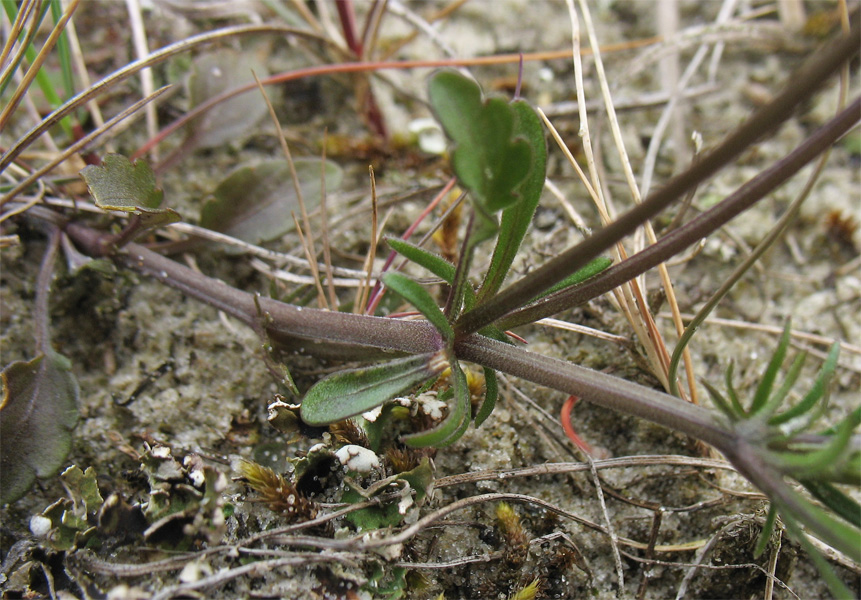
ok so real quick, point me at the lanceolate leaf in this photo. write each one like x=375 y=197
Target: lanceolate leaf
x=255 y=203
x=434 y=263
x=349 y=393
x=488 y=159
x=419 y=297
x=517 y=217
x=590 y=270
x=38 y=412
x=816 y=392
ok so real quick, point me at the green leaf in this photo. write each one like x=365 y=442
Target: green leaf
x=590 y=270
x=843 y=505
x=763 y=390
x=39 y=410
x=434 y=263
x=120 y=185
x=419 y=297
x=491 y=394
x=488 y=160
x=816 y=392
x=255 y=204
x=457 y=420
x=353 y=392
x=233 y=120
x=767 y=530
x=777 y=399
x=517 y=217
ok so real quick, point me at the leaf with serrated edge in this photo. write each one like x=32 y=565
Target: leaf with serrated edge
x=353 y=392
x=419 y=297
x=37 y=415
x=487 y=159
x=119 y=184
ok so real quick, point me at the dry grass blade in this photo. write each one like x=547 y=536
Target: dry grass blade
x=24 y=86
x=139 y=39
x=308 y=238
x=134 y=67
x=78 y=146
x=364 y=291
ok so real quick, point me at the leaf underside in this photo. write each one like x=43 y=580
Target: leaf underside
x=37 y=416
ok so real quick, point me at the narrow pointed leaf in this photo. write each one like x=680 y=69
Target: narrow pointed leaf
x=593 y=268
x=843 y=505
x=779 y=397
x=419 y=297
x=763 y=390
x=488 y=160
x=723 y=405
x=434 y=263
x=517 y=217
x=353 y=392
x=767 y=530
x=39 y=410
x=733 y=395
x=816 y=392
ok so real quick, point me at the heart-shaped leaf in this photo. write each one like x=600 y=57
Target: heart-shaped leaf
x=255 y=203
x=349 y=393
x=39 y=410
x=489 y=158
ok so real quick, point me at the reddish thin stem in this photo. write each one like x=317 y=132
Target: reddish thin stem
x=378 y=291
x=565 y=415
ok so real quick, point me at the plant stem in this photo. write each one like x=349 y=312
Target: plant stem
x=802 y=85
x=599 y=388
x=698 y=228
x=284 y=322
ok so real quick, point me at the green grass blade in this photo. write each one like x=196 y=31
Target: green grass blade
x=64 y=53
x=733 y=395
x=415 y=294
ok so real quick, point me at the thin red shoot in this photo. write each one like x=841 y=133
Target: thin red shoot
x=569 y=429
x=378 y=291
